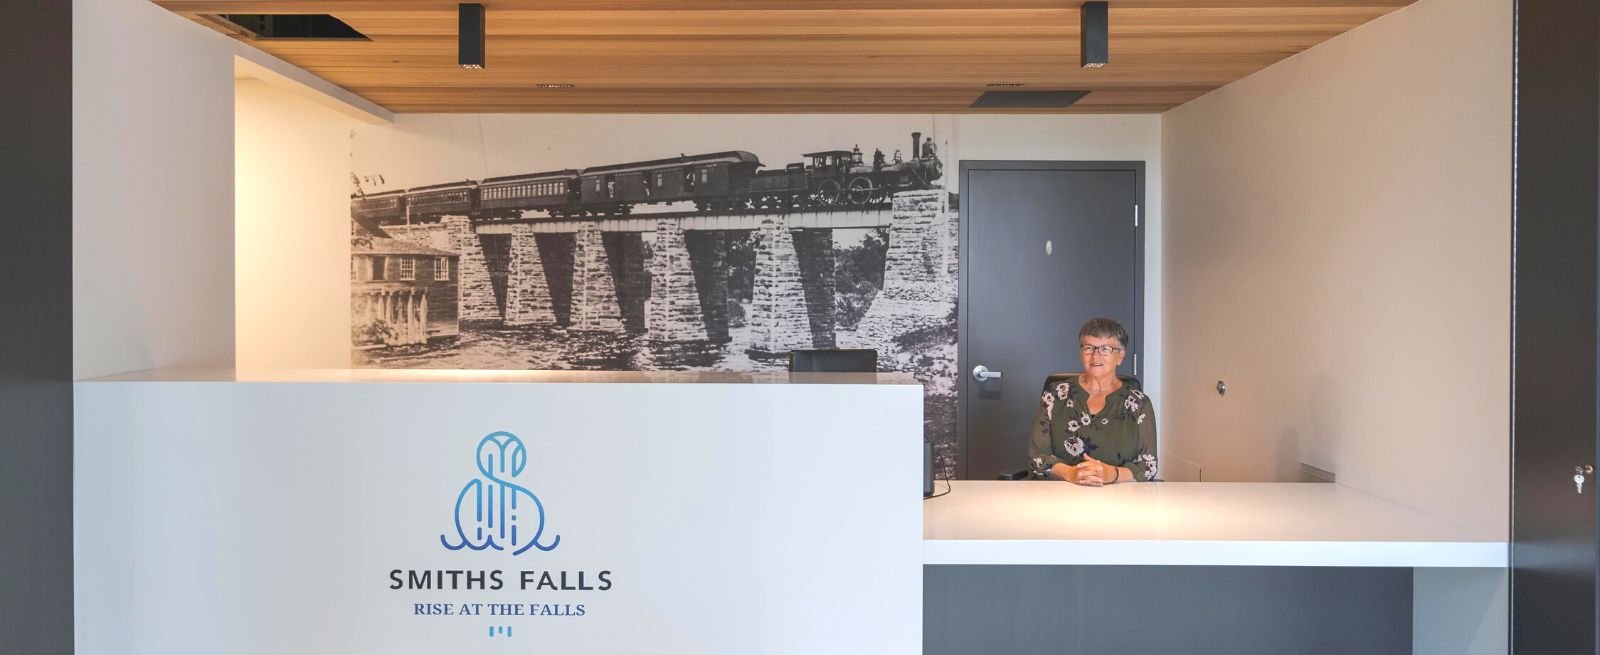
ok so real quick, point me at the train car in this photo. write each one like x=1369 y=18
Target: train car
x=555 y=192
x=455 y=199
x=780 y=188
x=715 y=180
x=388 y=207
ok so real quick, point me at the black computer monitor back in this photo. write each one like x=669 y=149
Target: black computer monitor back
x=834 y=360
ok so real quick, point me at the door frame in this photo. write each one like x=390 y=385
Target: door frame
x=963 y=365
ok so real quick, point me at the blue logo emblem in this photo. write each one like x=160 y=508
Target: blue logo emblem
x=493 y=511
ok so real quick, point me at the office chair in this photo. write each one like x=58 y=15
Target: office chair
x=833 y=360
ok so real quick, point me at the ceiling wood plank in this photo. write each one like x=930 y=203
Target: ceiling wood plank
x=775 y=56
x=328 y=6
x=774 y=96
x=1056 y=23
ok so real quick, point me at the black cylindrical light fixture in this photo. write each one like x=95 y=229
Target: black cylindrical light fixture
x=471 y=35
x=1092 y=34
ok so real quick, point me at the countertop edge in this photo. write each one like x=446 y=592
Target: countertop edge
x=1407 y=554
x=444 y=376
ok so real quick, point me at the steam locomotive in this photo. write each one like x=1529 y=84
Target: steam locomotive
x=715 y=182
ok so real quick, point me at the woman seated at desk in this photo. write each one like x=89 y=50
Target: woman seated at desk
x=1093 y=428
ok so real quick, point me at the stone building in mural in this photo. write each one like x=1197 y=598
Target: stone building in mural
x=401 y=292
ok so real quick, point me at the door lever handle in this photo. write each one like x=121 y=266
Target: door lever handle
x=982 y=373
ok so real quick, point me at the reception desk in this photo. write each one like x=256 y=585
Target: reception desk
x=1192 y=524
x=476 y=512
x=1203 y=568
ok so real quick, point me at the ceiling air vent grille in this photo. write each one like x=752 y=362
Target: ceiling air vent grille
x=1027 y=99
x=287 y=26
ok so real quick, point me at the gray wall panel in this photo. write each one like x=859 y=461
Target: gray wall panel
x=36 y=328
x=1165 y=609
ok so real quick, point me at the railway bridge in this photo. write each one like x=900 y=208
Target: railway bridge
x=604 y=275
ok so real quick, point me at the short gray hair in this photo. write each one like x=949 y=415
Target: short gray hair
x=1104 y=328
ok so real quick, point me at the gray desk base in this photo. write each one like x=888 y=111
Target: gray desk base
x=1226 y=610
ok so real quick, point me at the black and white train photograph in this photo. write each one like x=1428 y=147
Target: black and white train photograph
x=720 y=259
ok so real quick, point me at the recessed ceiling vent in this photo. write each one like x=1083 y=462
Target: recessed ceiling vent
x=1027 y=99
x=287 y=26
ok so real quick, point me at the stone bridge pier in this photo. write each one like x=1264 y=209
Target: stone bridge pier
x=595 y=306
x=674 y=312
x=527 y=294
x=476 y=297
x=792 y=305
x=778 y=319
x=919 y=278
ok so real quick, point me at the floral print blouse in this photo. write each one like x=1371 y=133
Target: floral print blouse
x=1122 y=434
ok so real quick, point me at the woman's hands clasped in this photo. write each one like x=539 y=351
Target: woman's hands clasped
x=1090 y=473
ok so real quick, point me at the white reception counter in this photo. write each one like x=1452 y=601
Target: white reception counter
x=491 y=512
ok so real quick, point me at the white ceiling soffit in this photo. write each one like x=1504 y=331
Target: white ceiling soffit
x=250 y=63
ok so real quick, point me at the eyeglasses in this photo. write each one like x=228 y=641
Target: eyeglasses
x=1103 y=350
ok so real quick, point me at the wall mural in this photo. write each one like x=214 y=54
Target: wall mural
x=711 y=261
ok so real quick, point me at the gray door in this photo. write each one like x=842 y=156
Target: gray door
x=1554 y=336
x=1046 y=246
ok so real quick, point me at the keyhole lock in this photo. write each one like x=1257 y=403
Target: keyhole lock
x=1580 y=474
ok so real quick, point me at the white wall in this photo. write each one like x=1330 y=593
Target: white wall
x=152 y=199
x=293 y=230
x=1339 y=240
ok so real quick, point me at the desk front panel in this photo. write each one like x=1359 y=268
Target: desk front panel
x=257 y=518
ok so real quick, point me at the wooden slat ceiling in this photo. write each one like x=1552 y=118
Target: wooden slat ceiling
x=796 y=56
